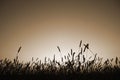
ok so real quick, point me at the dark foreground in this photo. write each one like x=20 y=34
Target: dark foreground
x=74 y=66
x=53 y=70
x=90 y=76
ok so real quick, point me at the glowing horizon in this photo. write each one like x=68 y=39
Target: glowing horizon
x=40 y=26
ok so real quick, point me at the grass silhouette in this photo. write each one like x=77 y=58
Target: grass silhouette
x=74 y=66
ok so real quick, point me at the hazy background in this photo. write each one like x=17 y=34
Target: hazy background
x=40 y=26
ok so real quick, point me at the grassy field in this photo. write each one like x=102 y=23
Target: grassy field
x=74 y=66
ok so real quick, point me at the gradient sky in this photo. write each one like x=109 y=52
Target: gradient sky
x=40 y=26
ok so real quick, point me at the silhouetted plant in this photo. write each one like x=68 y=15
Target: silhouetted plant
x=75 y=63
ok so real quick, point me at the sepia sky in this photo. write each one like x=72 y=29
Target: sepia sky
x=39 y=26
